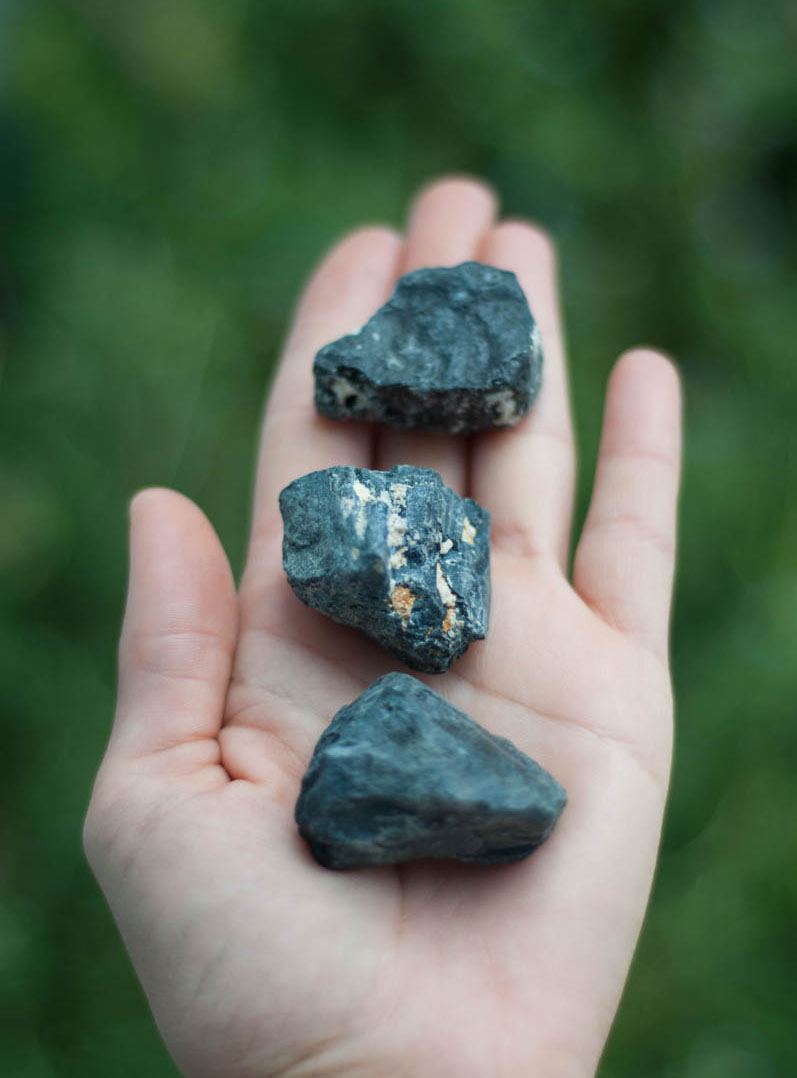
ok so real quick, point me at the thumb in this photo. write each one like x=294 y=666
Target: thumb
x=179 y=632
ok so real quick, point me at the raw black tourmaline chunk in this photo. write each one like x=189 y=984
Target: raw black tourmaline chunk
x=401 y=773
x=397 y=554
x=454 y=350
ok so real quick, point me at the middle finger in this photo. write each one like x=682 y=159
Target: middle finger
x=447 y=223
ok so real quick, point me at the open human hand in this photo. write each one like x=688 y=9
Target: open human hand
x=256 y=961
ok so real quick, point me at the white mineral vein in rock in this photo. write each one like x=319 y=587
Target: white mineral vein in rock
x=397 y=559
x=443 y=589
x=505 y=406
x=364 y=495
x=396 y=529
x=396 y=525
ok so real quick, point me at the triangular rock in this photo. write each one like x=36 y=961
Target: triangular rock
x=401 y=774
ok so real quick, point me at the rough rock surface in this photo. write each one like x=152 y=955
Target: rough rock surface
x=454 y=350
x=401 y=774
x=397 y=554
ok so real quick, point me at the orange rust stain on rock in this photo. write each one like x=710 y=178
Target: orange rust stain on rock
x=450 y=621
x=402 y=600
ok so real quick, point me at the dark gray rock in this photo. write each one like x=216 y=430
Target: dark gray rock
x=401 y=774
x=397 y=554
x=454 y=350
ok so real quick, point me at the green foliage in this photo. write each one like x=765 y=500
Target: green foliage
x=169 y=171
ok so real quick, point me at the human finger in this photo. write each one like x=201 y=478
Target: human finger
x=446 y=224
x=354 y=279
x=179 y=632
x=525 y=475
x=625 y=559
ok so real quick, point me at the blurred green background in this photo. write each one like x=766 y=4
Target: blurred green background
x=169 y=172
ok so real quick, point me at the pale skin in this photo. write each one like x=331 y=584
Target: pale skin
x=256 y=961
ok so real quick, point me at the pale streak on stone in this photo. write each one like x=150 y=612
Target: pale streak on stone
x=446 y=545
x=396 y=529
x=443 y=588
x=468 y=532
x=504 y=404
x=397 y=559
x=451 y=620
x=364 y=495
x=396 y=524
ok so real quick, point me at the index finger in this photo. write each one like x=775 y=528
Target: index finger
x=354 y=279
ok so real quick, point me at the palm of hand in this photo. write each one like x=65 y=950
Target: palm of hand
x=258 y=962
